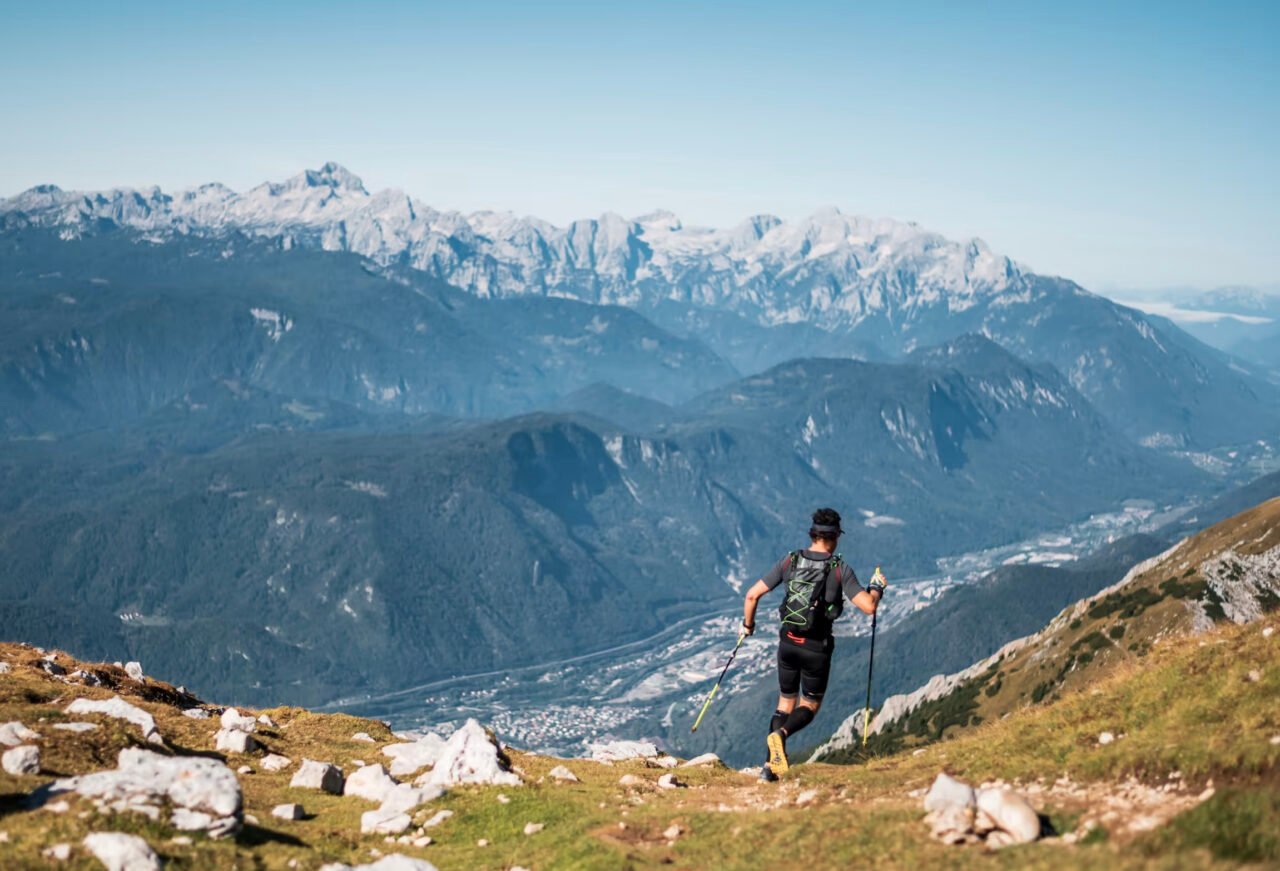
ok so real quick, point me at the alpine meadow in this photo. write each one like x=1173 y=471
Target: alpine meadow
x=389 y=526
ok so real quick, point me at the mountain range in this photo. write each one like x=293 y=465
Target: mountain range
x=758 y=293
x=307 y=422
x=474 y=545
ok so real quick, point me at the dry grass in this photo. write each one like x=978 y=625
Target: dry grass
x=1185 y=706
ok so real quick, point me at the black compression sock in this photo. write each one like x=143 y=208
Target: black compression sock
x=798 y=719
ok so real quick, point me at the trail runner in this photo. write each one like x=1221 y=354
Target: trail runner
x=815 y=582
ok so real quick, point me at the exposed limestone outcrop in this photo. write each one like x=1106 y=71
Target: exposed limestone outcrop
x=198 y=793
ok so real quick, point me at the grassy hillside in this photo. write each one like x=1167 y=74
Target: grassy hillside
x=1189 y=712
x=1226 y=573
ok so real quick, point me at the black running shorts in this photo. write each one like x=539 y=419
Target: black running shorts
x=804 y=668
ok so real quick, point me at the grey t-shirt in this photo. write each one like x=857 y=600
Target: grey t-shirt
x=843 y=573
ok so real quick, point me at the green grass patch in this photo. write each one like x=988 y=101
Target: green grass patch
x=1236 y=824
x=1127 y=604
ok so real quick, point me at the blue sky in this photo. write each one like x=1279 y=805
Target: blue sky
x=1122 y=147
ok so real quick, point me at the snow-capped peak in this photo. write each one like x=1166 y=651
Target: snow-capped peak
x=332 y=175
x=827 y=269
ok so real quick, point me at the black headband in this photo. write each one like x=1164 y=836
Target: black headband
x=824 y=528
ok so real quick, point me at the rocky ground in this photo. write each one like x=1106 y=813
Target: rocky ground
x=105 y=767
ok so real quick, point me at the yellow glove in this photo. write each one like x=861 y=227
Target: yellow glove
x=878 y=582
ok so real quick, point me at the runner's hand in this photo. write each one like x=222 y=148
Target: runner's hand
x=746 y=630
x=878 y=583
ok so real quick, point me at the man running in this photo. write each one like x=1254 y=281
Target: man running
x=815 y=580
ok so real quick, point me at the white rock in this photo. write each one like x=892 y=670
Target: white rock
x=664 y=761
x=233 y=720
x=57 y=807
x=672 y=832
x=951 y=823
x=506 y=799
x=1268 y=632
x=234 y=741
x=704 y=759
x=1105 y=738
x=244 y=769
x=471 y=756
x=14 y=733
x=533 y=828
x=384 y=822
x=363 y=737
x=982 y=823
x=59 y=852
x=560 y=772
x=437 y=819
x=75 y=727
x=999 y=839
x=120 y=709
x=947 y=791
x=1275 y=739
x=318 y=775
x=21 y=760
x=424 y=841
x=195 y=713
x=275 y=762
x=287 y=811
x=4 y=668
x=1010 y=812
x=483 y=842
x=134 y=670
x=405 y=797
x=267 y=721
x=668 y=781
x=121 y=852
x=615 y=751
x=203 y=792
x=807 y=796
x=181 y=840
x=187 y=820
x=1254 y=676
x=394 y=862
x=629 y=780
x=415 y=755
x=371 y=783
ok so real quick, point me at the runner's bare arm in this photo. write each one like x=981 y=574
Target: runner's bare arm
x=758 y=589
x=867 y=602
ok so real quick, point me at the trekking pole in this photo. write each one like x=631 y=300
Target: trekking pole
x=742 y=636
x=871 y=664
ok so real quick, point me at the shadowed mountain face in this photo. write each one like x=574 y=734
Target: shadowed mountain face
x=110 y=328
x=312 y=563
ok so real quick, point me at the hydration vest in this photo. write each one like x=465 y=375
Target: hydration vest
x=810 y=606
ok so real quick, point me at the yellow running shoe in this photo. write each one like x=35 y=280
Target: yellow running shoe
x=778 y=763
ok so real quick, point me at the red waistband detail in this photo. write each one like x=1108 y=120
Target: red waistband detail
x=797 y=639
